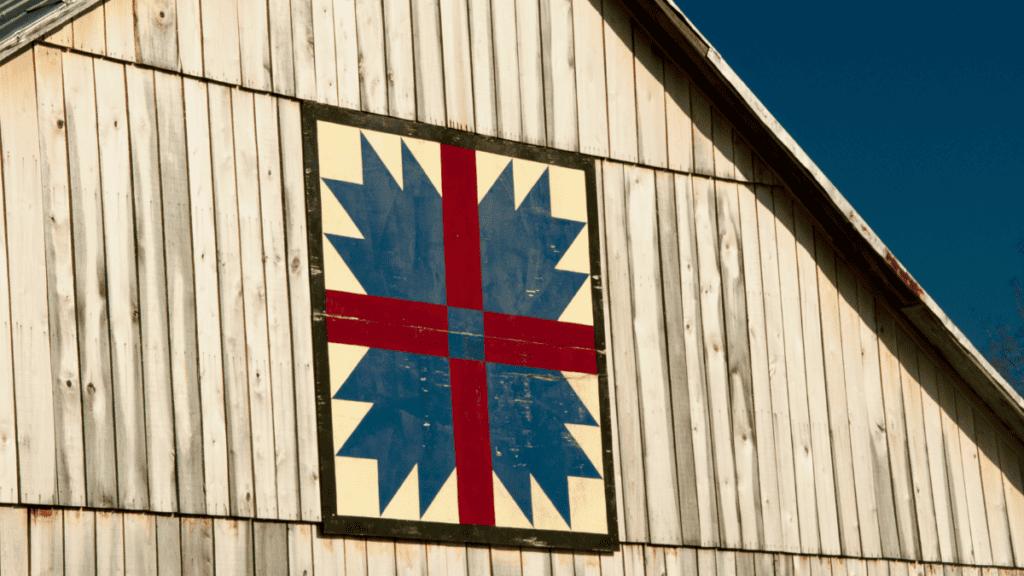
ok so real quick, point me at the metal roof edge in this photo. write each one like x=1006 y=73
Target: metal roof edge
x=51 y=22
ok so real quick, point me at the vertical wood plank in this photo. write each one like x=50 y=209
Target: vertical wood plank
x=792 y=326
x=722 y=142
x=109 y=543
x=270 y=544
x=936 y=458
x=896 y=433
x=282 y=46
x=300 y=550
x=482 y=64
x=348 y=54
x=190 y=37
x=770 y=534
x=611 y=564
x=743 y=159
x=232 y=307
x=254 y=305
x=717 y=366
x=398 y=47
x=325 y=57
x=207 y=302
x=817 y=398
x=122 y=287
x=618 y=45
x=679 y=138
x=955 y=471
x=458 y=74
x=79 y=542
x=558 y=55
x=328 y=556
x=651 y=356
x=90 y=290
x=373 y=72
x=835 y=383
x=63 y=37
x=232 y=546
x=355 y=557
x=26 y=249
x=506 y=71
x=221 y=50
x=67 y=389
x=537 y=562
x=586 y=564
x=410 y=559
x=90 y=32
x=149 y=231
x=8 y=433
x=876 y=425
x=1013 y=487
x=505 y=562
x=380 y=557
x=738 y=353
x=305 y=49
x=778 y=369
x=278 y=311
x=428 y=60
x=678 y=371
x=181 y=293
x=991 y=480
x=703 y=148
x=707 y=563
x=298 y=283
x=633 y=559
x=630 y=433
x=254 y=44
x=168 y=546
x=140 y=555
x=14 y=547
x=652 y=141
x=45 y=542
x=531 y=81
x=591 y=90
x=119 y=19
x=860 y=438
x=197 y=546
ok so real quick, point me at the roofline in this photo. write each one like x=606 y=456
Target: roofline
x=45 y=25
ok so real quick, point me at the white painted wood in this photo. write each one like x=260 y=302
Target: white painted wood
x=679 y=137
x=90 y=292
x=624 y=351
x=45 y=542
x=232 y=307
x=190 y=37
x=278 y=308
x=955 y=471
x=90 y=33
x=270 y=548
x=992 y=481
x=254 y=44
x=770 y=533
x=8 y=433
x=197 y=546
x=168 y=545
x=651 y=358
x=67 y=389
x=835 y=384
x=373 y=72
x=458 y=74
x=119 y=20
x=298 y=284
x=506 y=70
x=398 y=47
x=712 y=317
x=531 y=81
x=204 y=259
x=79 y=542
x=325 y=63
x=254 y=296
x=122 y=287
x=348 y=53
x=232 y=547
x=888 y=353
x=26 y=249
x=139 y=544
x=652 y=128
x=282 y=46
x=778 y=369
x=109 y=543
x=157 y=33
x=428 y=61
x=482 y=63
x=181 y=293
x=738 y=354
x=559 y=59
x=380 y=557
x=305 y=49
x=300 y=549
x=618 y=45
x=817 y=397
x=703 y=148
x=693 y=338
x=591 y=89
x=221 y=50
x=936 y=457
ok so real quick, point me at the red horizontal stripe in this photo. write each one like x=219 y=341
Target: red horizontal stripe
x=537 y=355
x=538 y=330
x=387 y=310
x=387 y=336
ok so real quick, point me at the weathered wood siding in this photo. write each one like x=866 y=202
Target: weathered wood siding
x=770 y=414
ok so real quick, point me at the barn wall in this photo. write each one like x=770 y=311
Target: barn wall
x=763 y=398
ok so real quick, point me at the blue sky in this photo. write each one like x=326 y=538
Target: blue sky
x=915 y=111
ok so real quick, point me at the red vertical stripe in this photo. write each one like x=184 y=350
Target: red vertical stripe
x=461 y=227
x=472 y=442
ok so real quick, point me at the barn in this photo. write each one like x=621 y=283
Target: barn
x=457 y=287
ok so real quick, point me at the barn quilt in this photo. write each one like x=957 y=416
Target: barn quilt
x=460 y=387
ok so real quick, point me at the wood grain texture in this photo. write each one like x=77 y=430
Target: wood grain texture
x=79 y=542
x=991 y=480
x=140 y=554
x=651 y=357
x=63 y=37
x=481 y=50
x=721 y=133
x=743 y=158
x=152 y=282
x=204 y=265
x=254 y=44
x=427 y=61
x=955 y=471
x=122 y=287
x=458 y=73
x=347 y=53
x=652 y=144
x=703 y=147
x=304 y=49
x=506 y=71
x=618 y=46
x=14 y=546
x=270 y=546
x=410 y=559
x=26 y=249
x=300 y=549
x=679 y=127
x=373 y=86
x=233 y=547
x=559 y=59
x=60 y=283
x=591 y=89
x=282 y=46
x=936 y=457
x=190 y=37
x=1013 y=489
x=531 y=79
x=46 y=542
x=109 y=543
x=355 y=557
x=197 y=546
x=168 y=546
x=89 y=32
x=297 y=258
x=221 y=47
x=324 y=56
x=181 y=293
x=8 y=432
x=119 y=21
x=398 y=47
x=380 y=557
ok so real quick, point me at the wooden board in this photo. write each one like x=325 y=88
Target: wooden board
x=324 y=55
x=109 y=543
x=652 y=145
x=591 y=90
x=119 y=20
x=992 y=481
x=26 y=249
x=46 y=542
x=79 y=541
x=936 y=457
x=679 y=136
x=703 y=147
x=140 y=555
x=559 y=59
x=373 y=86
x=60 y=282
x=355 y=557
x=89 y=33
x=742 y=158
x=398 y=47
x=427 y=61
x=190 y=37
x=531 y=81
x=9 y=491
x=347 y=53
x=380 y=557
x=305 y=49
x=197 y=546
x=282 y=46
x=458 y=73
x=232 y=547
x=506 y=71
x=168 y=545
x=1013 y=488
x=482 y=64
x=300 y=549
x=955 y=472
x=270 y=545
x=254 y=44
x=721 y=133
x=618 y=46
x=221 y=52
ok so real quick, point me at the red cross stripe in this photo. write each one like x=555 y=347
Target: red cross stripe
x=420 y=328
